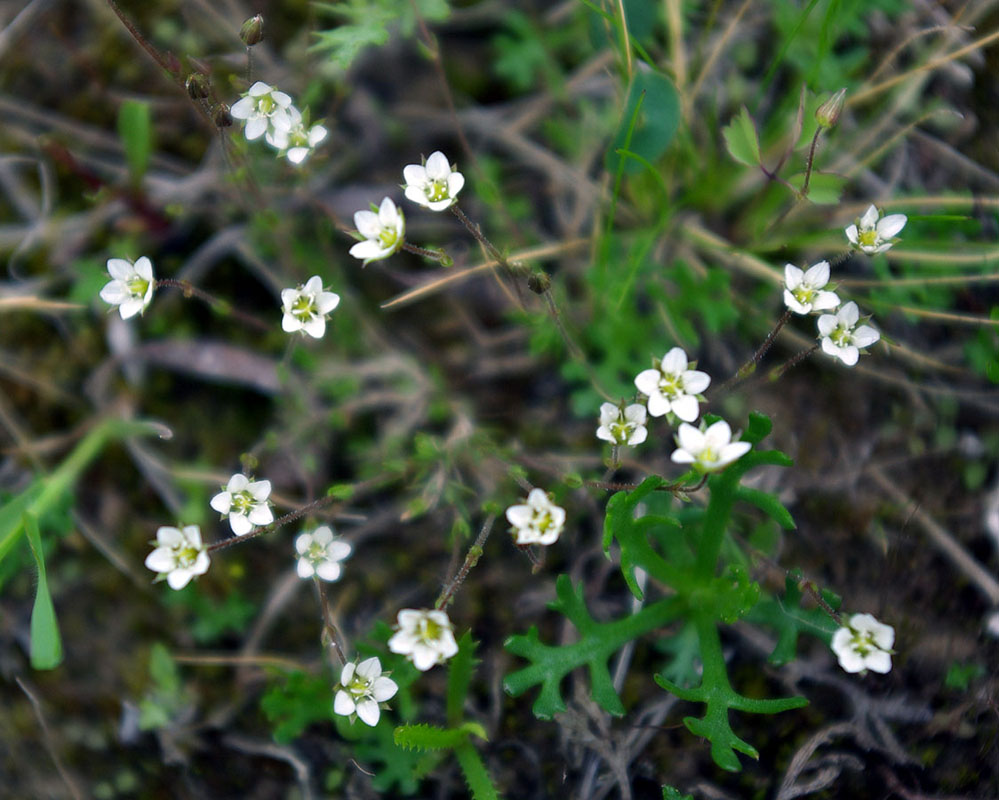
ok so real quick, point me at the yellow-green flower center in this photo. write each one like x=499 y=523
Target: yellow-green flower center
x=431 y=631
x=316 y=552
x=437 y=191
x=671 y=385
x=620 y=431
x=804 y=295
x=868 y=238
x=242 y=501
x=266 y=104
x=388 y=237
x=186 y=556
x=841 y=336
x=359 y=686
x=303 y=308
x=137 y=286
x=863 y=643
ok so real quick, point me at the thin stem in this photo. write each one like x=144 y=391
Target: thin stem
x=145 y=45
x=810 y=587
x=811 y=160
x=315 y=505
x=480 y=237
x=471 y=559
x=436 y=255
x=221 y=306
x=749 y=367
x=778 y=372
x=329 y=628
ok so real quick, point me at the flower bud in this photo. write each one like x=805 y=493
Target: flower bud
x=828 y=113
x=252 y=31
x=539 y=282
x=221 y=116
x=198 y=86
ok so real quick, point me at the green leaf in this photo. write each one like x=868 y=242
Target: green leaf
x=300 y=700
x=669 y=793
x=824 y=188
x=741 y=139
x=136 y=134
x=429 y=737
x=597 y=643
x=477 y=777
x=46 y=646
x=655 y=99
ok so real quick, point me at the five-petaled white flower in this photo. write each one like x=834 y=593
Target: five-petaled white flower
x=383 y=229
x=131 y=286
x=434 y=185
x=842 y=337
x=537 y=521
x=264 y=109
x=306 y=307
x=179 y=555
x=864 y=644
x=320 y=553
x=873 y=233
x=245 y=502
x=362 y=687
x=804 y=292
x=425 y=637
x=671 y=387
x=708 y=450
x=622 y=425
x=297 y=141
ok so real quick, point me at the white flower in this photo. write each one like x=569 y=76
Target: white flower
x=299 y=140
x=384 y=231
x=131 y=286
x=245 y=502
x=424 y=637
x=538 y=521
x=804 y=291
x=873 y=233
x=842 y=337
x=671 y=387
x=306 y=307
x=622 y=425
x=710 y=450
x=362 y=688
x=263 y=108
x=864 y=643
x=179 y=555
x=434 y=185
x=320 y=553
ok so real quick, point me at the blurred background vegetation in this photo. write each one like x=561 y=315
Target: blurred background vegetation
x=590 y=135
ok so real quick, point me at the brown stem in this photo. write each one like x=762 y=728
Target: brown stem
x=145 y=45
x=749 y=367
x=471 y=559
x=811 y=160
x=219 y=305
x=328 y=624
x=777 y=372
x=315 y=505
x=436 y=255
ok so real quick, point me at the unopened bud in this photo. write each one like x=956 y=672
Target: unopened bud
x=252 y=31
x=198 y=86
x=828 y=113
x=221 y=116
x=539 y=282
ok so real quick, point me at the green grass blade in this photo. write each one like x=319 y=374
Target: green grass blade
x=46 y=644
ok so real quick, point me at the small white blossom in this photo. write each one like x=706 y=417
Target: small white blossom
x=709 y=450
x=245 y=502
x=179 y=555
x=842 y=337
x=320 y=553
x=804 y=292
x=306 y=307
x=383 y=229
x=264 y=109
x=131 y=286
x=362 y=687
x=425 y=637
x=873 y=233
x=622 y=425
x=864 y=644
x=671 y=387
x=299 y=140
x=537 y=521
x=434 y=185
